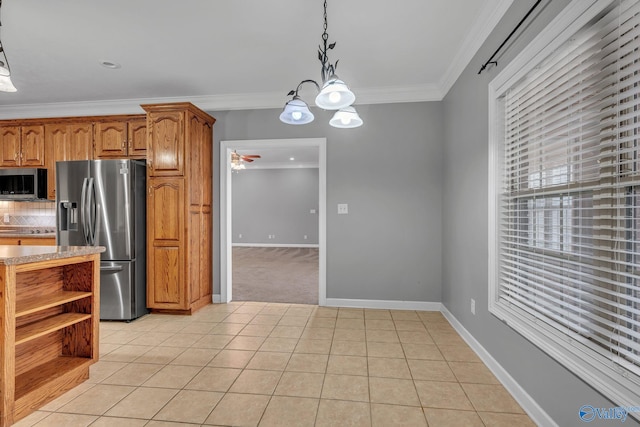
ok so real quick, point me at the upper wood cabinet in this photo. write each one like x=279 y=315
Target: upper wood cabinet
x=65 y=141
x=110 y=139
x=22 y=145
x=165 y=130
x=121 y=138
x=137 y=138
x=10 y=146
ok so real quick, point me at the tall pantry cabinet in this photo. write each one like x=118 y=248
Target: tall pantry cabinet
x=179 y=207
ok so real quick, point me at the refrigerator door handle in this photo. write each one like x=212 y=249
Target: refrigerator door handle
x=111 y=268
x=83 y=210
x=91 y=213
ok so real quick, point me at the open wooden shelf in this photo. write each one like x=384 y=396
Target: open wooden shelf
x=50 y=324
x=46 y=373
x=35 y=304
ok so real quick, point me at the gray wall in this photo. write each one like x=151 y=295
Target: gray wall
x=275 y=202
x=465 y=254
x=390 y=173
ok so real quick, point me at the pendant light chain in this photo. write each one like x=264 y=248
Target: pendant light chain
x=328 y=70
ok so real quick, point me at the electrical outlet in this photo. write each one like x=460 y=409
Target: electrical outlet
x=343 y=209
x=239 y=236
x=305 y=237
x=7 y=220
x=473 y=306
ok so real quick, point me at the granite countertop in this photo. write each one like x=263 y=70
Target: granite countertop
x=14 y=254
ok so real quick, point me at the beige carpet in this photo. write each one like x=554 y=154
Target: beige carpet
x=287 y=275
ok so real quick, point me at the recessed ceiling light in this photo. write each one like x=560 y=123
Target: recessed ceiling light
x=292 y=158
x=109 y=64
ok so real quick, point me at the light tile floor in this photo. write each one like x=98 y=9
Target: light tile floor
x=250 y=364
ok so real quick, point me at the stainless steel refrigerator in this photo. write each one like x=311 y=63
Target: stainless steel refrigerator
x=103 y=203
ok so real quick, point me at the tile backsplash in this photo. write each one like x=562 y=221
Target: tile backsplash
x=34 y=214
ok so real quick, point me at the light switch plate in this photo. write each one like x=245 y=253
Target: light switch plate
x=343 y=209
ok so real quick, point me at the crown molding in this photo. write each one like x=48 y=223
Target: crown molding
x=484 y=25
x=251 y=101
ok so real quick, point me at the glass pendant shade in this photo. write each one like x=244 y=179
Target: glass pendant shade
x=6 y=85
x=5 y=80
x=296 y=112
x=346 y=118
x=335 y=95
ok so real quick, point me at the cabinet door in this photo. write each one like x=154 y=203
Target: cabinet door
x=110 y=140
x=55 y=142
x=80 y=145
x=166 y=283
x=10 y=146
x=166 y=143
x=32 y=145
x=137 y=138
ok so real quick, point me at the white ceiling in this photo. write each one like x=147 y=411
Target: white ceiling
x=231 y=54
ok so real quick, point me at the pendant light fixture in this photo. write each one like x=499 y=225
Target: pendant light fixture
x=334 y=95
x=5 y=72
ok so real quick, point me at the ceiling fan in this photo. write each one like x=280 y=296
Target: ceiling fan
x=237 y=160
x=235 y=157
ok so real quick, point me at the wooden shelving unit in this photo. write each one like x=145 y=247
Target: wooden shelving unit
x=50 y=334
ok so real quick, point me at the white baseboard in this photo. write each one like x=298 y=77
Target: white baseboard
x=530 y=406
x=216 y=298
x=277 y=245
x=384 y=304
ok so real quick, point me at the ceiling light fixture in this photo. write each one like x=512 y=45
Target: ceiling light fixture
x=5 y=72
x=109 y=64
x=238 y=160
x=334 y=95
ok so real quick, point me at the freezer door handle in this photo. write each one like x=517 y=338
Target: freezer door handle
x=111 y=268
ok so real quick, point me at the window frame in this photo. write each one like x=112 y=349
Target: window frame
x=571 y=351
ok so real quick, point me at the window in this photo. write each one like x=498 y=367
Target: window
x=565 y=194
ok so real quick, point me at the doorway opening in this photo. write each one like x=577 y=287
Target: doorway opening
x=301 y=255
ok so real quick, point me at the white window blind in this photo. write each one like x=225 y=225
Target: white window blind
x=567 y=208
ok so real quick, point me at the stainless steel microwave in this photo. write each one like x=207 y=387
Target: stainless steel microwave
x=23 y=183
